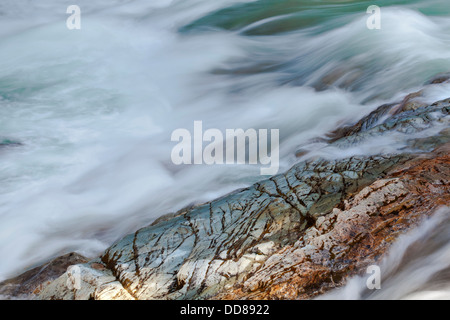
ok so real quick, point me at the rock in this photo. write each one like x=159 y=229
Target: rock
x=341 y=77
x=346 y=241
x=364 y=124
x=195 y=254
x=91 y=281
x=407 y=122
x=292 y=236
x=410 y=102
x=403 y=116
x=9 y=143
x=428 y=143
x=34 y=281
x=440 y=78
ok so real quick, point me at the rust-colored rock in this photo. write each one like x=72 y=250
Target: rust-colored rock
x=346 y=241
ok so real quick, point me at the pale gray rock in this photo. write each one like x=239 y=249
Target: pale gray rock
x=201 y=251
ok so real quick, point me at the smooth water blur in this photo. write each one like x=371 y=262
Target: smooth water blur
x=269 y=17
x=92 y=110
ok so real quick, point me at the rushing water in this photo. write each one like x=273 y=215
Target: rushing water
x=86 y=115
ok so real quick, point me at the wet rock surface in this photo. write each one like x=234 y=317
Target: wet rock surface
x=353 y=237
x=218 y=244
x=34 y=281
x=401 y=118
x=292 y=236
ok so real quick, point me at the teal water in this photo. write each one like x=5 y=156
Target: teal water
x=308 y=42
x=91 y=111
x=271 y=17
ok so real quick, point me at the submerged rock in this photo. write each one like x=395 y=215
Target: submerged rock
x=439 y=78
x=409 y=121
x=8 y=143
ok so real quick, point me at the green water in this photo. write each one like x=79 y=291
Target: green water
x=289 y=15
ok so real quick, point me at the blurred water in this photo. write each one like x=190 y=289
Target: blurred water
x=94 y=108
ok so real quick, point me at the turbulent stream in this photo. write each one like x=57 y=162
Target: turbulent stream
x=86 y=115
